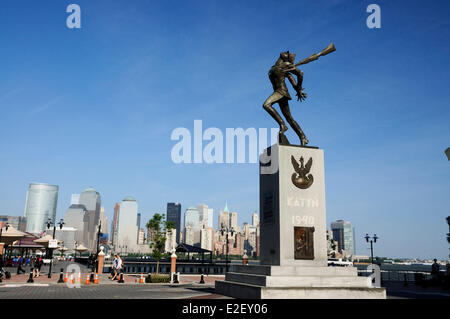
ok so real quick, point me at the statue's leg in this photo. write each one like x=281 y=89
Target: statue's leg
x=284 y=106
x=268 y=106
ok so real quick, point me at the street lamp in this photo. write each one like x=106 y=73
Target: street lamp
x=75 y=250
x=50 y=255
x=98 y=243
x=227 y=230
x=371 y=240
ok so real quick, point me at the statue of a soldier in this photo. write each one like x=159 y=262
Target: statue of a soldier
x=285 y=68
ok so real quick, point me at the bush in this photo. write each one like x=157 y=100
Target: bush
x=159 y=278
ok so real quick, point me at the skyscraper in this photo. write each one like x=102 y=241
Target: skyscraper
x=40 y=205
x=192 y=226
x=91 y=199
x=114 y=225
x=207 y=238
x=104 y=221
x=255 y=219
x=75 y=199
x=210 y=218
x=75 y=218
x=128 y=230
x=233 y=221
x=204 y=213
x=173 y=214
x=224 y=218
x=344 y=233
x=192 y=218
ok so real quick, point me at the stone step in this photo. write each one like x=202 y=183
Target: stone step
x=299 y=281
x=295 y=270
x=247 y=291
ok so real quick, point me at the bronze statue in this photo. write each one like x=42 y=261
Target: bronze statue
x=285 y=68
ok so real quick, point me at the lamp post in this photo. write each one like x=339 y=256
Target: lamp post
x=227 y=231
x=371 y=240
x=49 y=224
x=448 y=235
x=75 y=250
x=98 y=244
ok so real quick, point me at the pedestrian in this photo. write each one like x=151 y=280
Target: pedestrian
x=435 y=270
x=37 y=266
x=119 y=264
x=19 y=266
x=114 y=268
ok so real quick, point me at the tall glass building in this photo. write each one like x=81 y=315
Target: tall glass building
x=344 y=233
x=173 y=214
x=40 y=206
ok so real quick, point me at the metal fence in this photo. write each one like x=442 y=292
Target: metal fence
x=400 y=275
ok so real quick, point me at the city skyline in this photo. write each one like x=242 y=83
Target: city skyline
x=97 y=106
x=361 y=244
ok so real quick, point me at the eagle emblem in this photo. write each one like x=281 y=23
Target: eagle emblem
x=302 y=178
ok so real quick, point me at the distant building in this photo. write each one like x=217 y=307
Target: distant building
x=224 y=218
x=189 y=235
x=171 y=240
x=173 y=215
x=151 y=234
x=40 y=206
x=127 y=226
x=91 y=200
x=255 y=219
x=332 y=245
x=141 y=237
x=114 y=225
x=75 y=218
x=234 y=221
x=344 y=234
x=68 y=235
x=18 y=222
x=210 y=218
x=207 y=238
x=192 y=225
x=75 y=199
x=104 y=221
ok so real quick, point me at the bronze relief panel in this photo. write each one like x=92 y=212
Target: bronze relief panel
x=304 y=243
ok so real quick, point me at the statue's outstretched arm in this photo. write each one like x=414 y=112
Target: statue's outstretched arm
x=297 y=85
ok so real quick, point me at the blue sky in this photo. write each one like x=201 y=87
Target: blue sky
x=96 y=106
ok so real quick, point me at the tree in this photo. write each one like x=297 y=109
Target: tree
x=159 y=229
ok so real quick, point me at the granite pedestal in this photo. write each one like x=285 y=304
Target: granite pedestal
x=293 y=244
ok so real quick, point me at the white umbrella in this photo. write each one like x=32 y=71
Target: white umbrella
x=80 y=249
x=45 y=240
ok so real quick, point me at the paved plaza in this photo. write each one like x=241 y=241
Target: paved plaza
x=189 y=288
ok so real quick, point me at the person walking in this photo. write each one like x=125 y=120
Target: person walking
x=20 y=262
x=37 y=266
x=435 y=270
x=119 y=264
x=114 y=268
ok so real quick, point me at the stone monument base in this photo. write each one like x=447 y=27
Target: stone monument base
x=294 y=282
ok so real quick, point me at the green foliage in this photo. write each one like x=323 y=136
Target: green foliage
x=158 y=227
x=156 y=278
